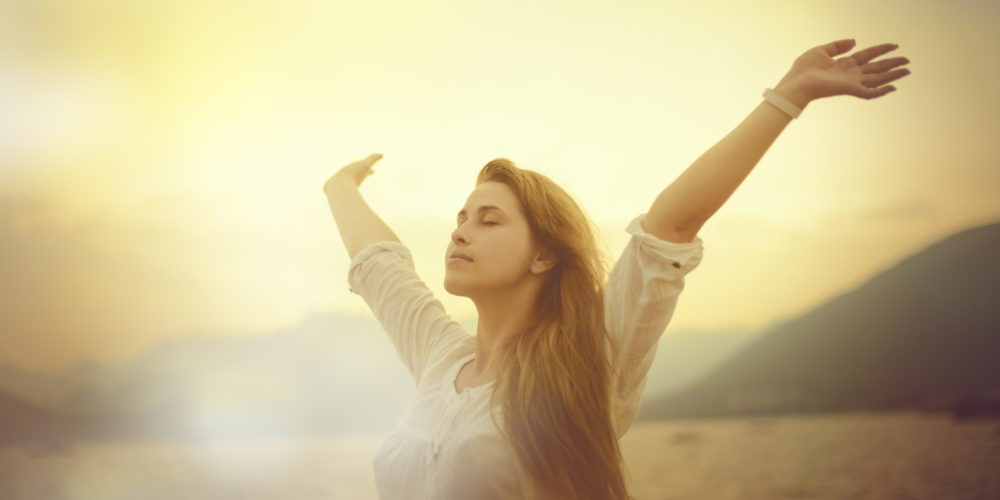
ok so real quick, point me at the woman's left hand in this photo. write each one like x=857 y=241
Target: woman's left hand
x=816 y=74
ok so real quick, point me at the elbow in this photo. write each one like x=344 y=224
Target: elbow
x=672 y=232
x=688 y=231
x=677 y=236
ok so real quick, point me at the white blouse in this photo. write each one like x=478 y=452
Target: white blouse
x=445 y=446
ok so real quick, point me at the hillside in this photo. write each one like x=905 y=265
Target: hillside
x=924 y=334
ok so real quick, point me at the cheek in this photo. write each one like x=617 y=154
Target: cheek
x=514 y=251
x=501 y=253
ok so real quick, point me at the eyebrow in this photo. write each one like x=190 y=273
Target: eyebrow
x=481 y=210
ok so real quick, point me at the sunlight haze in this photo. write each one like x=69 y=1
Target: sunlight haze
x=162 y=163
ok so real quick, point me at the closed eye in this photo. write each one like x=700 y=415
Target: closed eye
x=485 y=223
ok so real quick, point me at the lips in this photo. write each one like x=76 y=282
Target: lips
x=454 y=256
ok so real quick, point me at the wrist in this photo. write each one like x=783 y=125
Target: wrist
x=789 y=89
x=338 y=183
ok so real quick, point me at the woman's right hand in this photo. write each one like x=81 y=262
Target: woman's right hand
x=353 y=174
x=358 y=224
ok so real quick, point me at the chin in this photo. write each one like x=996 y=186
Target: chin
x=460 y=286
x=454 y=288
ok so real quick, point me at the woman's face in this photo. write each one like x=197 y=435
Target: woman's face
x=493 y=235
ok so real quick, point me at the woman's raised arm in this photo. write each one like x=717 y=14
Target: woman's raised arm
x=358 y=224
x=686 y=204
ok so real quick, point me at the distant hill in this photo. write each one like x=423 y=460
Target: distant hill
x=330 y=373
x=22 y=421
x=924 y=334
x=683 y=357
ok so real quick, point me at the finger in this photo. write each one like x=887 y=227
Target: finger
x=363 y=163
x=872 y=93
x=884 y=65
x=863 y=56
x=838 y=47
x=884 y=78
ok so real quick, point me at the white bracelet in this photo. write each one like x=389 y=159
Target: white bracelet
x=782 y=103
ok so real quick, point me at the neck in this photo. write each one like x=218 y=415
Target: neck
x=501 y=318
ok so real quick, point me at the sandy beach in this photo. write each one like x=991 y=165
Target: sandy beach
x=842 y=456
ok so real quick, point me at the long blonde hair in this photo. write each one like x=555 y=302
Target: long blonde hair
x=554 y=380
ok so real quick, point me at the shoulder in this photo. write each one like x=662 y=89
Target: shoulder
x=377 y=259
x=382 y=249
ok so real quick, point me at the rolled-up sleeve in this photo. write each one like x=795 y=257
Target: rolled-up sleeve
x=639 y=300
x=417 y=324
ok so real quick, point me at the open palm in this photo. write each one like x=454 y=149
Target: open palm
x=817 y=74
x=353 y=173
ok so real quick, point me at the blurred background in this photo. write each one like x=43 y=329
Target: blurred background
x=173 y=288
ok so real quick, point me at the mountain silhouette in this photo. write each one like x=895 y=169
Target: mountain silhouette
x=328 y=374
x=924 y=334
x=23 y=421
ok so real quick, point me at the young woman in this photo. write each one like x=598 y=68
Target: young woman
x=534 y=404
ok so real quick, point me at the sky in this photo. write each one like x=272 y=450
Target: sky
x=162 y=163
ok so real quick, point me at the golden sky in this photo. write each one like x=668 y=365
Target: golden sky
x=161 y=163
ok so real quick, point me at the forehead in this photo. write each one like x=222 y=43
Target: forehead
x=493 y=193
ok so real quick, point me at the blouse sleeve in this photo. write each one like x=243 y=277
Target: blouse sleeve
x=417 y=324
x=639 y=300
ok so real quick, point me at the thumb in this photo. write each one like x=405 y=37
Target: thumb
x=838 y=47
x=876 y=92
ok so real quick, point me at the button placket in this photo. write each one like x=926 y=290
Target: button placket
x=446 y=424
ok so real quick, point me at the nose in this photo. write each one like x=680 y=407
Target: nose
x=457 y=235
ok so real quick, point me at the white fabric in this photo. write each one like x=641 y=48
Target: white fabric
x=445 y=446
